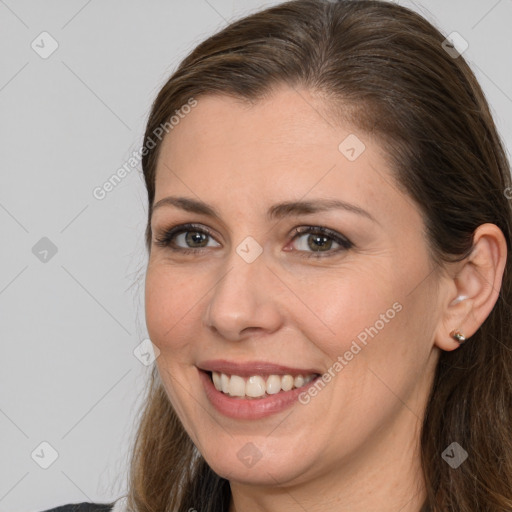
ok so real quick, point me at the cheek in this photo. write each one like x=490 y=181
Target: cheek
x=383 y=323
x=172 y=302
x=341 y=307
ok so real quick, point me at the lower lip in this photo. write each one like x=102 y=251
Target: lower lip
x=250 y=409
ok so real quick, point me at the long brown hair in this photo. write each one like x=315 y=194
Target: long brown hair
x=383 y=68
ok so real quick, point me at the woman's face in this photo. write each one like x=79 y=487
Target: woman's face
x=355 y=304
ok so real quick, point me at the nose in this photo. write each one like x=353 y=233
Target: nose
x=244 y=301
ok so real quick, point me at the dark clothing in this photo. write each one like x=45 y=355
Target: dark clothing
x=83 y=507
x=107 y=507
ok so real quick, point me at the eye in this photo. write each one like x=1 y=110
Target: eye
x=319 y=241
x=186 y=238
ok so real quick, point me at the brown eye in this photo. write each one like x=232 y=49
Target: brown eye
x=191 y=238
x=317 y=240
x=186 y=238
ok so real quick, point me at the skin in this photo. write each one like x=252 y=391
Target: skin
x=354 y=446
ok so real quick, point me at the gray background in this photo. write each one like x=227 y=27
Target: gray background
x=70 y=323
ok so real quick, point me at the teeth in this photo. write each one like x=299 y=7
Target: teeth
x=224 y=383
x=273 y=384
x=217 y=381
x=287 y=382
x=236 y=386
x=299 y=381
x=256 y=386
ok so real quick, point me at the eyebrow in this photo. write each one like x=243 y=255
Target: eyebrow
x=278 y=211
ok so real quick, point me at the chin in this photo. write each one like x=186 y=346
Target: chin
x=249 y=465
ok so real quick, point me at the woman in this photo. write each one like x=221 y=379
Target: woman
x=328 y=281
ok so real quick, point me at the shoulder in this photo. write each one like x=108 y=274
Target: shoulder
x=83 y=507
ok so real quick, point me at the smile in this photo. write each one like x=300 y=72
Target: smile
x=284 y=393
x=257 y=386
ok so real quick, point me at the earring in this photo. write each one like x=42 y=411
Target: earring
x=458 y=337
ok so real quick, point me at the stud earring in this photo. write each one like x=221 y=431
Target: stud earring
x=458 y=337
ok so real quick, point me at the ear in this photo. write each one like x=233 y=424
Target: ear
x=472 y=287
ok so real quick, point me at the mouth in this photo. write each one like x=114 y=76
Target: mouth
x=257 y=395
x=257 y=387
x=251 y=390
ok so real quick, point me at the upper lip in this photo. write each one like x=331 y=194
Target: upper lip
x=250 y=368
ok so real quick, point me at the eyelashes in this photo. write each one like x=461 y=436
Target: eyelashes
x=323 y=235
x=168 y=237
x=318 y=237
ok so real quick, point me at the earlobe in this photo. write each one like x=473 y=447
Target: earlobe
x=453 y=331
x=474 y=289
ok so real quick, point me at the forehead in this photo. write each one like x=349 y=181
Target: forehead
x=283 y=147
x=283 y=123
x=285 y=132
